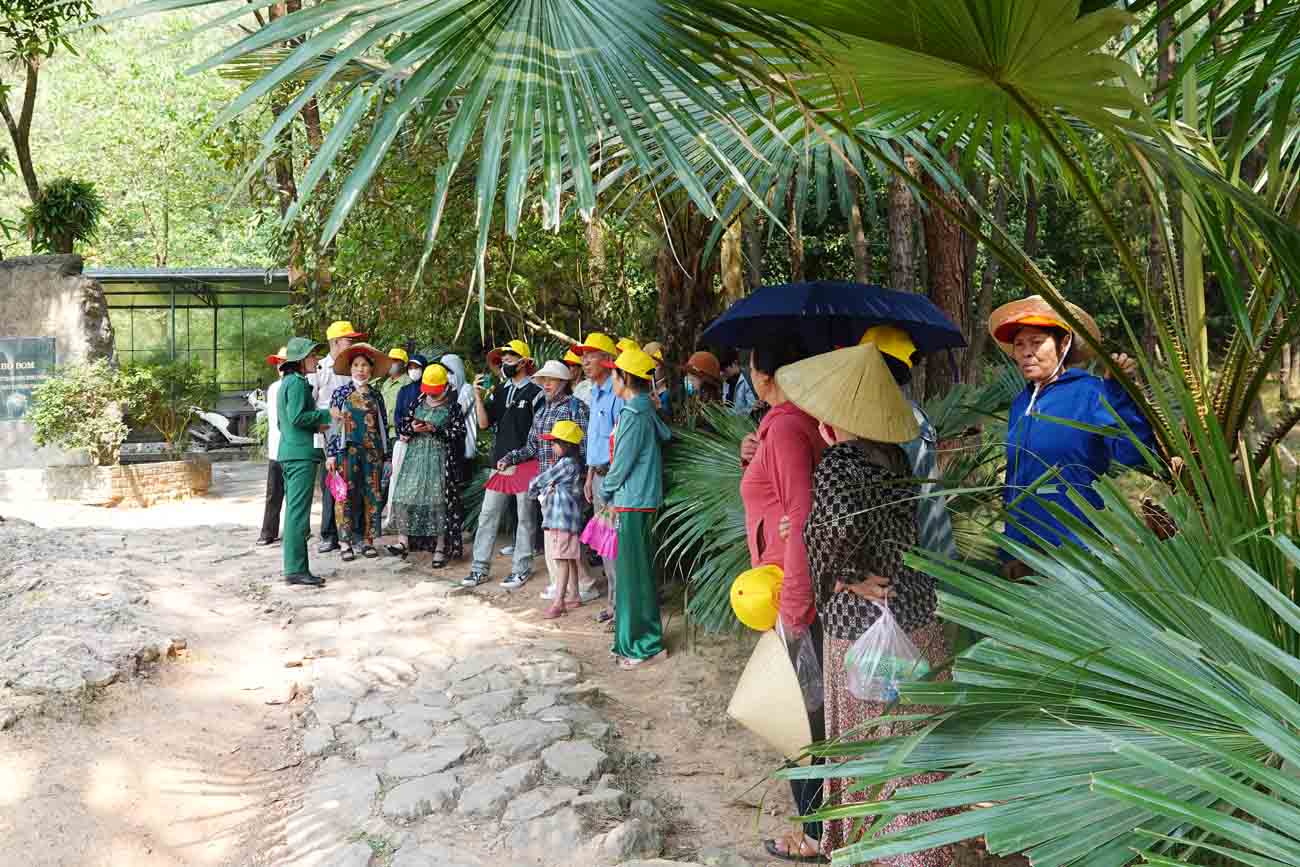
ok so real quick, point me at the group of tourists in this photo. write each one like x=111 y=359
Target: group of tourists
x=840 y=480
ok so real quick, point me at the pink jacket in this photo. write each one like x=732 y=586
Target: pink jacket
x=776 y=483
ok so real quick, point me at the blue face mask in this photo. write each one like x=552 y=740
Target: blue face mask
x=690 y=387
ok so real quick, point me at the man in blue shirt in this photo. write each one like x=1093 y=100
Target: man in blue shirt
x=605 y=407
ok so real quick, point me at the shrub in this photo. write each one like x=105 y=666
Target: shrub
x=66 y=212
x=78 y=408
x=162 y=396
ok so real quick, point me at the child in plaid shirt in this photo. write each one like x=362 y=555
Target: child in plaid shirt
x=560 y=491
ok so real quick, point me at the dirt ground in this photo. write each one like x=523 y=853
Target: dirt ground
x=199 y=762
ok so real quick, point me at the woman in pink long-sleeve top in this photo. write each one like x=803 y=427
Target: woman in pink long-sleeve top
x=778 y=482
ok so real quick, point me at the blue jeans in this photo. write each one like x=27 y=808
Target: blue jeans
x=495 y=504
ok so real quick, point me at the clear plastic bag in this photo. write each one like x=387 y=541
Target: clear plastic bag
x=883 y=658
x=803 y=654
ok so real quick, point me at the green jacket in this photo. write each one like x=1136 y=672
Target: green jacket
x=636 y=473
x=299 y=420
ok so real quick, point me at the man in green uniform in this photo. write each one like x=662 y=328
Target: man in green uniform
x=299 y=421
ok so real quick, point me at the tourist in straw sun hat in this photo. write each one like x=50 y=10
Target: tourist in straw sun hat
x=298 y=420
x=358 y=447
x=340 y=335
x=862 y=489
x=1044 y=346
x=634 y=486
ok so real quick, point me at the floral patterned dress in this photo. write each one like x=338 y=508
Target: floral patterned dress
x=358 y=447
x=426 y=494
x=862 y=522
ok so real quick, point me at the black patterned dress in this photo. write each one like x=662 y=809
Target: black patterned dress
x=863 y=521
x=427 y=491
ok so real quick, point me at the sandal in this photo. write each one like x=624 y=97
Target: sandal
x=605 y=616
x=787 y=853
x=398 y=550
x=369 y=552
x=572 y=604
x=553 y=612
x=348 y=555
x=627 y=663
x=439 y=560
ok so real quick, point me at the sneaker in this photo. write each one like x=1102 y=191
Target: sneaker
x=515 y=581
x=549 y=593
x=508 y=551
x=473 y=579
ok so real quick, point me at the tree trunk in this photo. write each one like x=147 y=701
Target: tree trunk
x=902 y=232
x=793 y=211
x=753 y=232
x=1286 y=373
x=946 y=270
x=858 y=233
x=1155 y=246
x=20 y=130
x=1031 y=218
x=733 y=262
x=684 y=279
x=596 y=266
x=979 y=334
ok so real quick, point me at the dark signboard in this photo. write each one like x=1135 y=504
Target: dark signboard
x=25 y=362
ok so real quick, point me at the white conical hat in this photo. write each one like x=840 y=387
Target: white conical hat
x=768 y=700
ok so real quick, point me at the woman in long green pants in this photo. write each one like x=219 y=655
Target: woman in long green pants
x=634 y=487
x=299 y=459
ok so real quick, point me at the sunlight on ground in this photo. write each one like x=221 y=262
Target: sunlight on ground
x=16 y=776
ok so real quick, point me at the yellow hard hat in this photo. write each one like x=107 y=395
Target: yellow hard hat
x=572 y=357
x=434 y=380
x=755 y=597
x=398 y=354
x=343 y=328
x=597 y=342
x=637 y=363
x=626 y=343
x=516 y=347
x=892 y=341
x=655 y=350
x=566 y=432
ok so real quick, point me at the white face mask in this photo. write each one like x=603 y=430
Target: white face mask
x=415 y=373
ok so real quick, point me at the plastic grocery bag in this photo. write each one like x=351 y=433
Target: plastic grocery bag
x=883 y=658
x=806 y=667
x=338 y=486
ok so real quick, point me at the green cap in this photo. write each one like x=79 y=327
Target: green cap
x=299 y=348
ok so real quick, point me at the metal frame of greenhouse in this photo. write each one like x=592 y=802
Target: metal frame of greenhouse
x=180 y=291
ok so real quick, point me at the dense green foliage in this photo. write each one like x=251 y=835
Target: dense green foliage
x=164 y=397
x=66 y=213
x=78 y=409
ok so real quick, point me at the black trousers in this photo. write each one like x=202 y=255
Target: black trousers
x=329 y=529
x=808 y=793
x=274 y=499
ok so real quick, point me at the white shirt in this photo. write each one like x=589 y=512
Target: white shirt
x=582 y=391
x=466 y=400
x=273 y=420
x=324 y=383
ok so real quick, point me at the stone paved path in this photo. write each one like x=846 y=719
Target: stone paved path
x=444 y=738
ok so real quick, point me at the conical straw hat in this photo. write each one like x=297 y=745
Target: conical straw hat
x=768 y=700
x=851 y=389
x=1035 y=310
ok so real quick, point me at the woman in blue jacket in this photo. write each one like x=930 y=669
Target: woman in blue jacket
x=1045 y=459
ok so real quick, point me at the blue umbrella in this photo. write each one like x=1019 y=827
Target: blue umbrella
x=827 y=314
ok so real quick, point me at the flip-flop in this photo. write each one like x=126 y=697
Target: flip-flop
x=369 y=552
x=770 y=846
x=628 y=664
x=605 y=616
x=398 y=550
x=348 y=555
